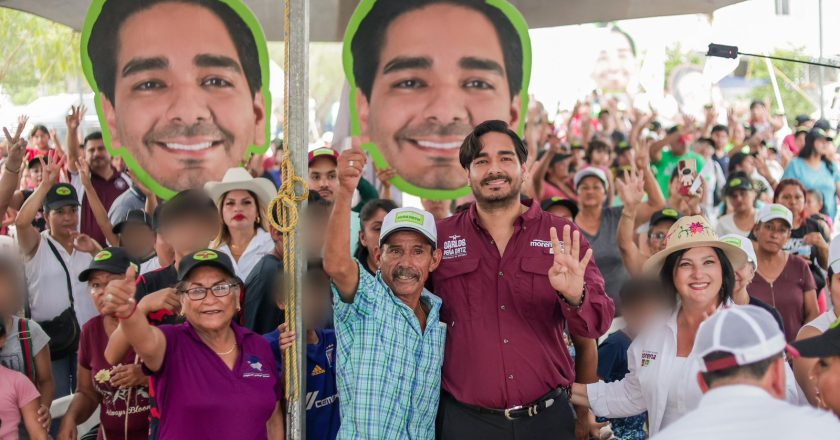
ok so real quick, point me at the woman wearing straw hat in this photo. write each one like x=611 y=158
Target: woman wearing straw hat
x=243 y=202
x=700 y=271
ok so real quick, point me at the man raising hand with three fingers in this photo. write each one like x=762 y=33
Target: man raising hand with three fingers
x=510 y=288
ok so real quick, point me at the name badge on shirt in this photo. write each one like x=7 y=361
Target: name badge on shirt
x=546 y=244
x=647 y=357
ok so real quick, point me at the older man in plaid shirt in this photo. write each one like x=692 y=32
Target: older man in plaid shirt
x=390 y=339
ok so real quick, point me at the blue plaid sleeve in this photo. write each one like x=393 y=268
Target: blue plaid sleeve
x=363 y=302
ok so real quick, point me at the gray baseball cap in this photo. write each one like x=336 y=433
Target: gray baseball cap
x=409 y=219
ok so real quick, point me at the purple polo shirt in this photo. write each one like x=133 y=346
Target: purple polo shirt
x=505 y=345
x=199 y=397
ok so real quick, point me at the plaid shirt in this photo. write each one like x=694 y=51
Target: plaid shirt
x=388 y=369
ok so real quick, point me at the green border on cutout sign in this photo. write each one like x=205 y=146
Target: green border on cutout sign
x=364 y=7
x=262 y=50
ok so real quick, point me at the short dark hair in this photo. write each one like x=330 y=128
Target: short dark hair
x=94 y=136
x=471 y=147
x=719 y=127
x=755 y=370
x=666 y=274
x=595 y=145
x=369 y=39
x=707 y=141
x=757 y=103
x=103 y=44
x=37 y=128
x=187 y=204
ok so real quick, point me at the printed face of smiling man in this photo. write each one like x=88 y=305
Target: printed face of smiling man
x=182 y=105
x=440 y=71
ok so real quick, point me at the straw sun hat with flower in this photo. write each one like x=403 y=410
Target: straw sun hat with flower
x=691 y=232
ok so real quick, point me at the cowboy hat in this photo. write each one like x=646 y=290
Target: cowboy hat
x=239 y=179
x=691 y=232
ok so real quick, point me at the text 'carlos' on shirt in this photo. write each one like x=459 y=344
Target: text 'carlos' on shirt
x=505 y=343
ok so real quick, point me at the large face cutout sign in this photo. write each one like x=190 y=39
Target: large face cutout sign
x=423 y=73
x=181 y=87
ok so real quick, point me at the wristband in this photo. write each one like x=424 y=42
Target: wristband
x=11 y=170
x=582 y=298
x=129 y=315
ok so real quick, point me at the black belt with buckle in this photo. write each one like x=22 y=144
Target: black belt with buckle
x=522 y=411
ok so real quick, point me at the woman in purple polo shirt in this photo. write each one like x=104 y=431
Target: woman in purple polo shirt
x=210 y=377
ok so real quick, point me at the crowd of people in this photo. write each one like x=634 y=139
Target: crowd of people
x=606 y=278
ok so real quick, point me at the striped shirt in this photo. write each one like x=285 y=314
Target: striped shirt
x=388 y=369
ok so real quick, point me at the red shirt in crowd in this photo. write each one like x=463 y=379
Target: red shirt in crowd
x=504 y=344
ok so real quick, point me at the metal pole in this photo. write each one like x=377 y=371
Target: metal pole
x=819 y=71
x=296 y=139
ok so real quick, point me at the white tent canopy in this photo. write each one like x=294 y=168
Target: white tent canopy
x=330 y=17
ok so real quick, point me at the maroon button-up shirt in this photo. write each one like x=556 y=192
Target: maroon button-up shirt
x=108 y=191
x=504 y=344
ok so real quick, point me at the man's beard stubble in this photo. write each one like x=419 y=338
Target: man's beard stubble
x=497 y=200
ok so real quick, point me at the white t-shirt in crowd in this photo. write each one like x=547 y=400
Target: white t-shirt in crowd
x=260 y=246
x=745 y=412
x=11 y=355
x=823 y=321
x=726 y=225
x=47 y=282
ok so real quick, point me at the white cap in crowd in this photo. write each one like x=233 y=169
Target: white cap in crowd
x=834 y=256
x=591 y=171
x=744 y=243
x=409 y=219
x=774 y=211
x=745 y=334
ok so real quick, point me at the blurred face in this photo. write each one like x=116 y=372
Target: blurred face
x=97 y=155
x=316 y=220
x=792 y=198
x=741 y=200
x=239 y=210
x=600 y=157
x=96 y=286
x=63 y=221
x=562 y=212
x=316 y=307
x=640 y=314
x=211 y=313
x=615 y=63
x=369 y=235
x=823 y=146
x=323 y=178
x=758 y=113
x=657 y=234
x=496 y=174
x=441 y=72
x=591 y=192
x=41 y=140
x=698 y=276
x=36 y=175
x=560 y=170
x=406 y=260
x=744 y=276
x=721 y=138
x=826 y=375
x=137 y=239
x=772 y=235
x=10 y=297
x=438 y=208
x=184 y=111
x=190 y=234
x=813 y=205
x=748 y=165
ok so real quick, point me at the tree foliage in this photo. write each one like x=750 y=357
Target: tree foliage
x=40 y=57
x=794 y=85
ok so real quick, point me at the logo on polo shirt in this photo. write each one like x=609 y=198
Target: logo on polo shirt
x=63 y=191
x=647 y=357
x=455 y=247
x=120 y=184
x=256 y=368
x=205 y=256
x=317 y=371
x=102 y=256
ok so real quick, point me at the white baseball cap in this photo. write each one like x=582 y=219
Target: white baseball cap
x=774 y=211
x=409 y=219
x=834 y=255
x=744 y=243
x=743 y=334
x=591 y=171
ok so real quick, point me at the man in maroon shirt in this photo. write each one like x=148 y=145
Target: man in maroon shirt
x=509 y=289
x=107 y=181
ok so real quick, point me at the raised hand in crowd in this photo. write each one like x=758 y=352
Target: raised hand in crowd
x=83 y=243
x=338 y=263
x=119 y=295
x=73 y=121
x=385 y=176
x=100 y=214
x=163 y=299
x=567 y=271
x=631 y=191
x=11 y=176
